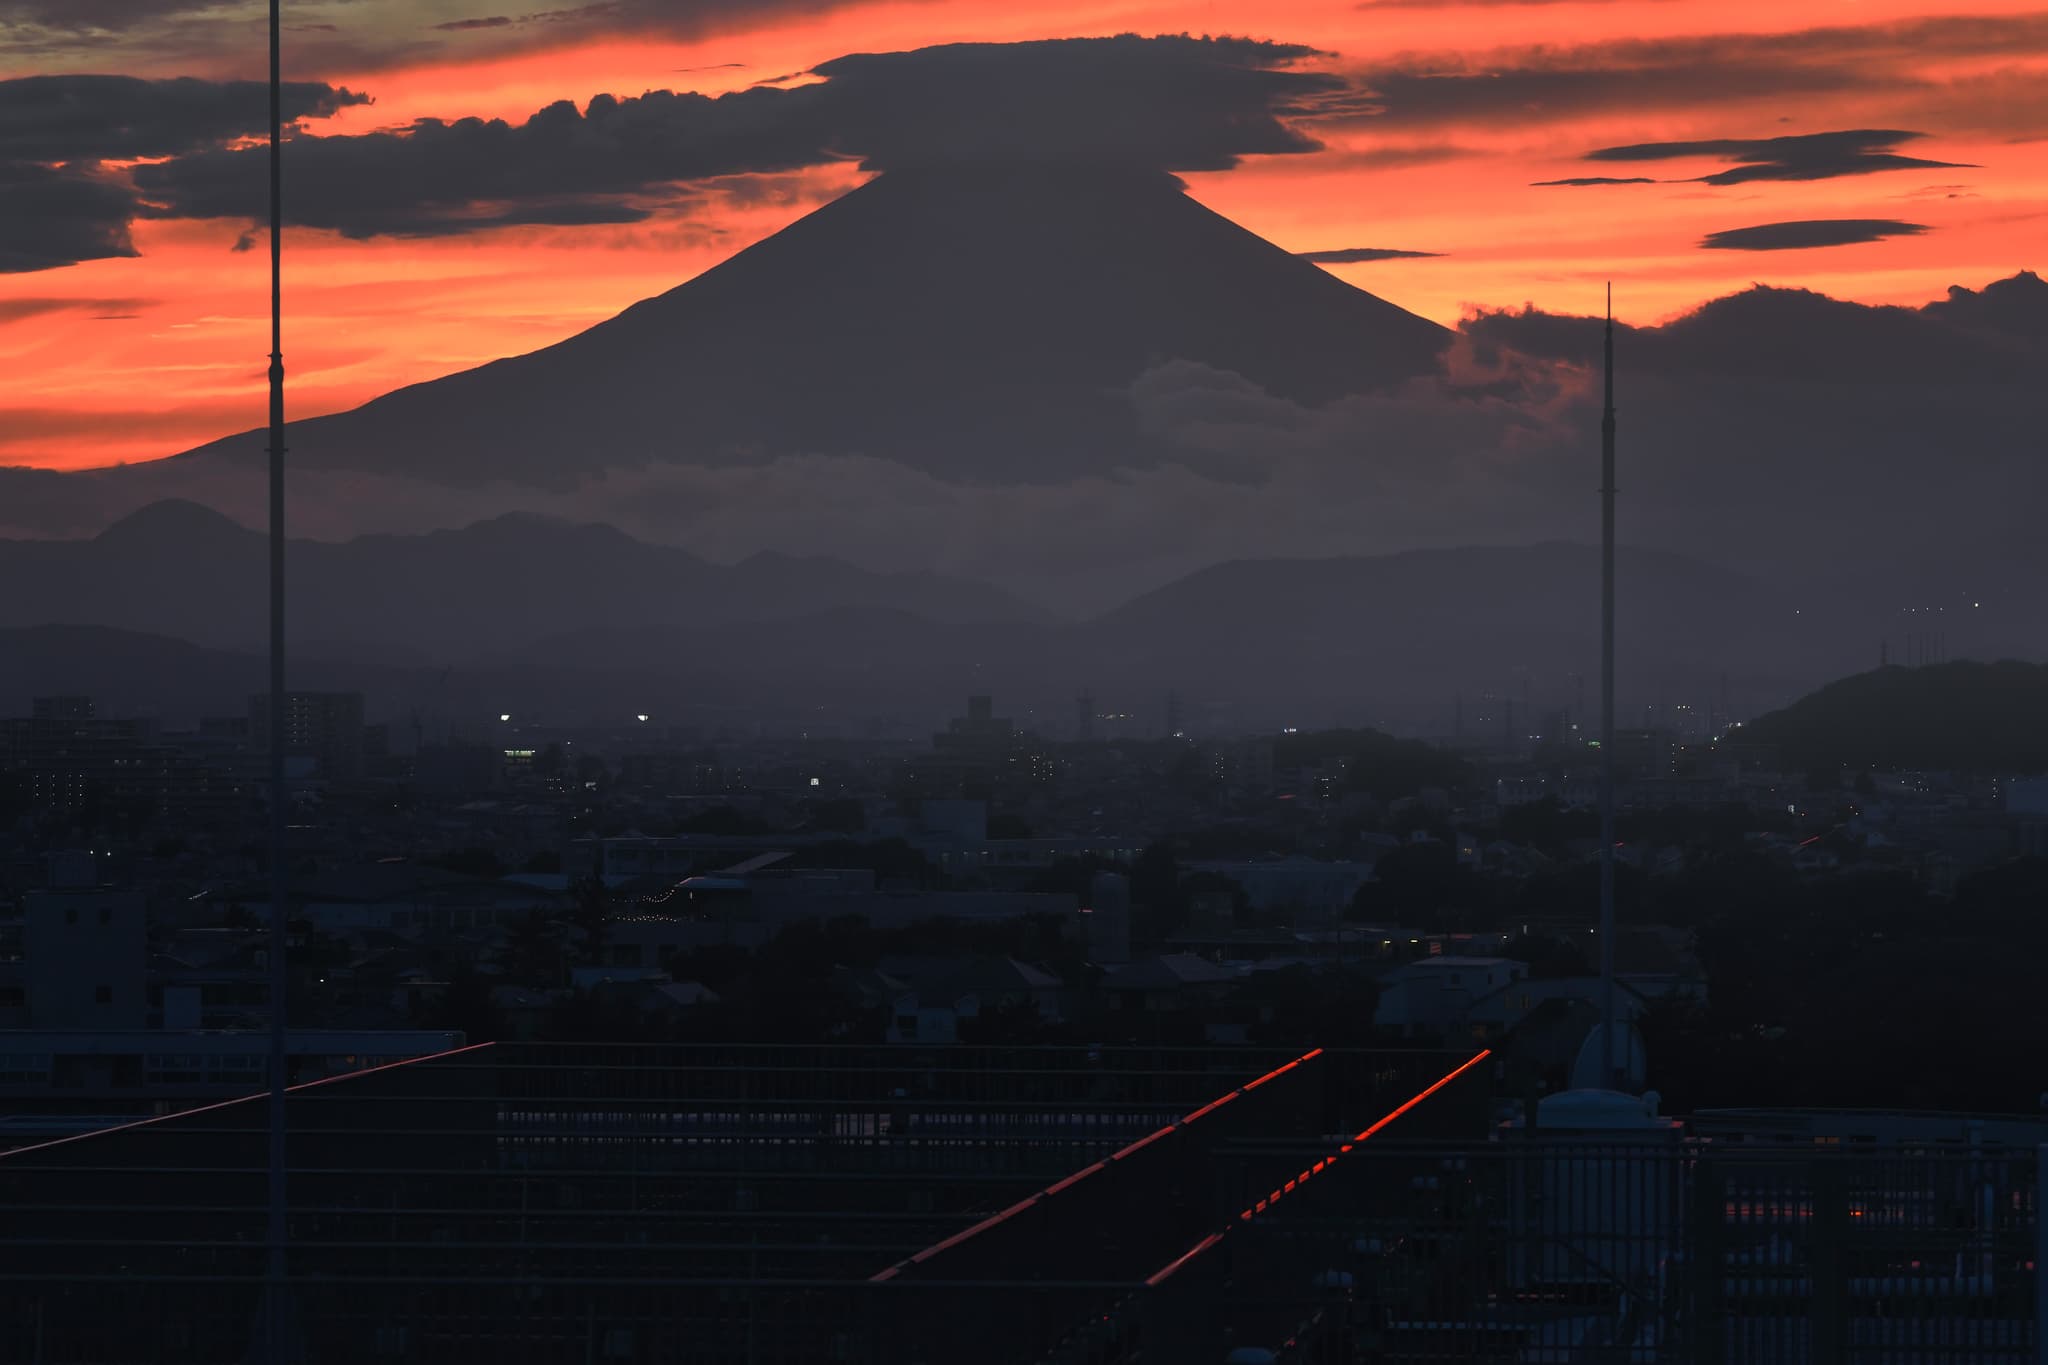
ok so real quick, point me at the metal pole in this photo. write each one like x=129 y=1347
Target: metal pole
x=1611 y=1069
x=276 y=1322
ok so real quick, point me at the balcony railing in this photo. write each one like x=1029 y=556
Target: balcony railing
x=580 y=1203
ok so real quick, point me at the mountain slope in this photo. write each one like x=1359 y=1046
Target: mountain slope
x=977 y=324
x=1965 y=716
x=181 y=569
x=1290 y=640
x=1388 y=640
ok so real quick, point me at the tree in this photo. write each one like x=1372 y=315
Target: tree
x=1003 y=825
x=470 y=862
x=1014 y=1024
x=1409 y=882
x=593 y=909
x=466 y=1005
x=891 y=860
x=845 y=816
x=1547 y=825
x=1157 y=906
x=533 y=953
x=1547 y=957
x=1378 y=764
x=1070 y=876
x=724 y=821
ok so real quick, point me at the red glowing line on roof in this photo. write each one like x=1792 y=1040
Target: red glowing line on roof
x=239 y=1099
x=1158 y=1277
x=1069 y=1181
x=1260 y=1206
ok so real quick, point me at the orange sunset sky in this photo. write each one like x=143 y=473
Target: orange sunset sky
x=139 y=356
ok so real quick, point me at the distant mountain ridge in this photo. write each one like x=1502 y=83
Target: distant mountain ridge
x=1390 y=640
x=1329 y=638
x=180 y=569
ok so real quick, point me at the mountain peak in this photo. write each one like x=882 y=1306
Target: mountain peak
x=979 y=324
x=529 y=526
x=173 y=521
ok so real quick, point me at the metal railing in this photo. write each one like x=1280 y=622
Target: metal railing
x=542 y=1203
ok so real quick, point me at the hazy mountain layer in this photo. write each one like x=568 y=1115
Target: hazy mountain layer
x=179 y=569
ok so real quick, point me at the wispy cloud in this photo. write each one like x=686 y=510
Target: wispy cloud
x=16 y=310
x=1807 y=156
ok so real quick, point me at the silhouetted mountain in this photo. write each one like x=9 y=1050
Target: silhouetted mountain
x=1989 y=718
x=179 y=568
x=1428 y=623
x=127 y=672
x=977 y=324
x=1385 y=641
x=1393 y=636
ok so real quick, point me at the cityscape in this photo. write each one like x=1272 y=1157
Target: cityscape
x=863 y=704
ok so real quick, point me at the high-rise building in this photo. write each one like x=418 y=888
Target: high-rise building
x=64 y=708
x=325 y=727
x=64 y=756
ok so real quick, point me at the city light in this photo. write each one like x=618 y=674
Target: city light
x=642 y=718
x=504 y=715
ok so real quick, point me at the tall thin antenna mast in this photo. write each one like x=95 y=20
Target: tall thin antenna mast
x=276 y=1322
x=1611 y=1071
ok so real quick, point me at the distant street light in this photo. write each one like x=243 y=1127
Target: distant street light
x=504 y=715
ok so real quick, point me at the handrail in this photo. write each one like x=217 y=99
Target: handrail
x=239 y=1099
x=1068 y=1182
x=1167 y=1271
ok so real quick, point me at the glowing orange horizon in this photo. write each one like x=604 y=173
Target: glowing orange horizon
x=139 y=358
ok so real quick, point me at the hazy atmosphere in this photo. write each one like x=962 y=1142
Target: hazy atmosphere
x=1096 y=681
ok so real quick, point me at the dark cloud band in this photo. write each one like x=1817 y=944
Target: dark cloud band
x=1813 y=232
x=1352 y=255
x=56 y=216
x=1808 y=156
x=118 y=118
x=1170 y=103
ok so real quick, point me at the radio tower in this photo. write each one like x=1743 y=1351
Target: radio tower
x=1611 y=1071
x=276 y=1316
